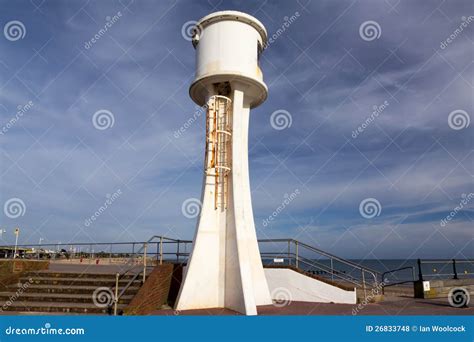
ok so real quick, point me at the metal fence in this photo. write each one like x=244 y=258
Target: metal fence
x=287 y=252
x=436 y=268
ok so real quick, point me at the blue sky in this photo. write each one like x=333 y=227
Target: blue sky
x=323 y=69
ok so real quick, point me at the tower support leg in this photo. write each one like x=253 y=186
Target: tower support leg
x=225 y=268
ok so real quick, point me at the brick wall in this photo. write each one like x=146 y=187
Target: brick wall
x=159 y=289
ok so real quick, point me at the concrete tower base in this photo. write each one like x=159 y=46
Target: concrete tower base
x=225 y=268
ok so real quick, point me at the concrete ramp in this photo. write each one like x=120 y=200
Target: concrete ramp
x=289 y=285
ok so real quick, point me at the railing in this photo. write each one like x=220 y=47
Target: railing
x=116 y=289
x=309 y=258
x=160 y=249
x=385 y=282
x=453 y=264
x=160 y=241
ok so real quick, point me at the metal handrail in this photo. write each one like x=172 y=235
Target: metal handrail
x=384 y=285
x=332 y=272
x=122 y=292
x=298 y=257
x=315 y=264
x=143 y=250
x=399 y=269
x=319 y=251
x=341 y=276
x=159 y=241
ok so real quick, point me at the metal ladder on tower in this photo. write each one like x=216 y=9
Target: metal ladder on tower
x=219 y=143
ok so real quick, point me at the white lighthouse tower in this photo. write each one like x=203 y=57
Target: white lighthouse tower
x=225 y=268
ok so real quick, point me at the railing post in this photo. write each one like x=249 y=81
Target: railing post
x=144 y=262
x=363 y=284
x=420 y=274
x=110 y=255
x=161 y=250
x=332 y=269
x=289 y=253
x=296 y=253
x=157 y=251
x=455 y=270
x=117 y=275
x=177 y=253
x=383 y=283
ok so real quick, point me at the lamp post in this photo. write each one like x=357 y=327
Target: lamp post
x=1 y=233
x=17 y=233
x=39 y=246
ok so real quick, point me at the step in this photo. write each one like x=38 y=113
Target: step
x=56 y=297
x=71 y=289
x=76 y=281
x=49 y=274
x=66 y=307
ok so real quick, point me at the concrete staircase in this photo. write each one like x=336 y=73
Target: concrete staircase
x=62 y=293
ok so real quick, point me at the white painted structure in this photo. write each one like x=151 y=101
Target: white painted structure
x=224 y=268
x=288 y=285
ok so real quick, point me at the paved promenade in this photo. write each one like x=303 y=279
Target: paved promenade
x=391 y=306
